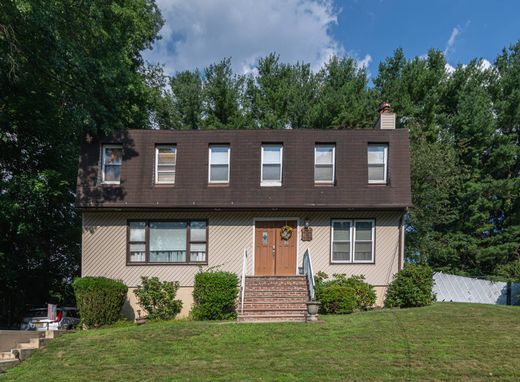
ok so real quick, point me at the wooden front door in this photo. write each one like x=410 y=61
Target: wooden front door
x=273 y=254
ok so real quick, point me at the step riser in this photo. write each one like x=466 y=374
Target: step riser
x=269 y=288
x=269 y=313
x=271 y=319
x=274 y=300
x=253 y=306
x=276 y=296
x=7 y=356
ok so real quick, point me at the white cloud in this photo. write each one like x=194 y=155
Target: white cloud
x=364 y=62
x=449 y=68
x=451 y=41
x=485 y=64
x=198 y=32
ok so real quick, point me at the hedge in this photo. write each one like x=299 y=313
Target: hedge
x=215 y=295
x=343 y=295
x=411 y=287
x=99 y=300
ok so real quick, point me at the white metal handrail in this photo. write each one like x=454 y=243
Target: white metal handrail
x=307 y=270
x=243 y=281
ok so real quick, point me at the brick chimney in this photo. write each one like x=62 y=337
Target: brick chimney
x=386 y=120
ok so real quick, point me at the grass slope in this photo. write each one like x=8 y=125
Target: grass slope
x=446 y=341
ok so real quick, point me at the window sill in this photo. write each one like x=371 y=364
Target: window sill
x=145 y=264
x=352 y=262
x=270 y=184
x=215 y=184
x=324 y=184
x=378 y=184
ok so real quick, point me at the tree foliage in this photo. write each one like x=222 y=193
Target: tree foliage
x=66 y=67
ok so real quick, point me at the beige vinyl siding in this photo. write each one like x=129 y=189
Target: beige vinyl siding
x=104 y=244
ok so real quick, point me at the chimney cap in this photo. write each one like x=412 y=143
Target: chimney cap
x=384 y=107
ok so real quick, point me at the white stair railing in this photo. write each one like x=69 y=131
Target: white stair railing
x=243 y=281
x=307 y=271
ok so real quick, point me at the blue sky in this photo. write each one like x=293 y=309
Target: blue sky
x=480 y=29
x=199 y=32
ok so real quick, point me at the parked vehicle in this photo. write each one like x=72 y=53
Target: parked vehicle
x=36 y=319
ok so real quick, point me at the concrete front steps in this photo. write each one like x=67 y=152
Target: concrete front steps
x=274 y=298
x=23 y=350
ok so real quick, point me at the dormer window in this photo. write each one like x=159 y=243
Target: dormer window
x=218 y=164
x=377 y=163
x=324 y=158
x=165 y=164
x=271 y=171
x=111 y=164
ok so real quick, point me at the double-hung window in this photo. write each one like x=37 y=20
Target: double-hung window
x=324 y=158
x=165 y=163
x=218 y=164
x=137 y=242
x=165 y=242
x=352 y=240
x=377 y=163
x=111 y=164
x=271 y=171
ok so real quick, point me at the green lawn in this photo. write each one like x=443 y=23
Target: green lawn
x=446 y=341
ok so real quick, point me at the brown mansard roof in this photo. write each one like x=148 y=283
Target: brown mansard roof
x=298 y=191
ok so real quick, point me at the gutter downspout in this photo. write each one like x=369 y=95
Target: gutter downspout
x=400 y=261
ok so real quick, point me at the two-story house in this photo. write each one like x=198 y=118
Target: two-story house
x=165 y=202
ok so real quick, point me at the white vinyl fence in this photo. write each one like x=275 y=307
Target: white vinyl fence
x=466 y=289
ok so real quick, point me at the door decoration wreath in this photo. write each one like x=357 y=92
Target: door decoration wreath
x=286 y=232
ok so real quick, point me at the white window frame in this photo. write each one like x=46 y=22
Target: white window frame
x=385 y=158
x=320 y=145
x=352 y=241
x=157 y=147
x=271 y=183
x=103 y=153
x=228 y=163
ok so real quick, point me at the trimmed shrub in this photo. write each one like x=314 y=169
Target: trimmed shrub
x=158 y=298
x=215 y=295
x=337 y=299
x=411 y=287
x=99 y=300
x=359 y=291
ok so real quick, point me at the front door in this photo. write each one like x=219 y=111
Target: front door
x=274 y=253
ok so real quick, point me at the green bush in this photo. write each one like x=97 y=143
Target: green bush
x=411 y=287
x=337 y=299
x=99 y=300
x=215 y=295
x=359 y=291
x=158 y=298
